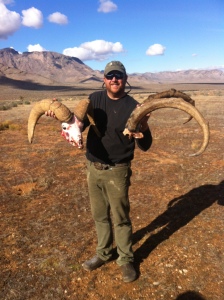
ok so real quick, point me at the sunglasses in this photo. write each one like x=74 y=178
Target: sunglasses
x=116 y=75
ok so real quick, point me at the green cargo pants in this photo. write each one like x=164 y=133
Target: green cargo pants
x=108 y=191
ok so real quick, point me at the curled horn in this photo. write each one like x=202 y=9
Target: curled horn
x=62 y=113
x=172 y=93
x=178 y=103
x=81 y=109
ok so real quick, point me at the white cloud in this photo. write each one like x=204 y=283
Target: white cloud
x=107 y=6
x=156 y=49
x=10 y=21
x=32 y=17
x=58 y=18
x=37 y=47
x=194 y=54
x=6 y=1
x=96 y=50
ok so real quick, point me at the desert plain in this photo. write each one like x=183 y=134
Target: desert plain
x=46 y=228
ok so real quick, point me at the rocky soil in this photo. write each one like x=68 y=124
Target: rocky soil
x=46 y=229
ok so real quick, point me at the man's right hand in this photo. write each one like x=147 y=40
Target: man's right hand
x=50 y=113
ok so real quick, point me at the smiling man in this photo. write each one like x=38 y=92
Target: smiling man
x=115 y=80
x=109 y=158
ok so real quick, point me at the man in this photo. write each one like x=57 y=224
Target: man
x=109 y=170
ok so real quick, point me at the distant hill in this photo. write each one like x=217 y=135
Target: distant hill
x=45 y=67
x=185 y=76
x=51 y=68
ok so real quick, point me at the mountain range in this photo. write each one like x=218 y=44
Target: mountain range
x=52 y=68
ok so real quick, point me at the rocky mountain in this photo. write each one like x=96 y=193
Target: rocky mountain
x=45 y=67
x=52 y=68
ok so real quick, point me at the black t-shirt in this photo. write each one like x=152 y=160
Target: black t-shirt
x=110 y=117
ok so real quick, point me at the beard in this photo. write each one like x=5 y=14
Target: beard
x=116 y=89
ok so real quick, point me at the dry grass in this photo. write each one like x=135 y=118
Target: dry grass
x=176 y=208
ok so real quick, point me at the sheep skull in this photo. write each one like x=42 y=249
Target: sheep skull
x=72 y=132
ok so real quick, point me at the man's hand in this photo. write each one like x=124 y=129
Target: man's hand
x=142 y=127
x=50 y=113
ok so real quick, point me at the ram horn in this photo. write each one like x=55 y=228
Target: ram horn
x=178 y=103
x=172 y=93
x=62 y=113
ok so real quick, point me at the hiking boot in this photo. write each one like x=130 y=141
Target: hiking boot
x=93 y=263
x=128 y=272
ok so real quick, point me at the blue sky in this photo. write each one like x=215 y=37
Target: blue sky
x=146 y=35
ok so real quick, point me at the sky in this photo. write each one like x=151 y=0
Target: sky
x=145 y=35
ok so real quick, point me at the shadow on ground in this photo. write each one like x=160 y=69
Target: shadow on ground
x=180 y=211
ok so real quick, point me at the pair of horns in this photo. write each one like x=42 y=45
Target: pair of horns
x=62 y=113
x=167 y=100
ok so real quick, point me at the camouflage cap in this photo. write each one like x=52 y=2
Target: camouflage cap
x=114 y=66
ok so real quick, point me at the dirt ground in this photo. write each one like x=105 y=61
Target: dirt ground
x=46 y=228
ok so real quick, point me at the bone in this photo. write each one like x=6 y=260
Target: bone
x=62 y=113
x=178 y=103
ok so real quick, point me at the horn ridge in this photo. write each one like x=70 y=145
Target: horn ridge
x=61 y=112
x=172 y=93
x=178 y=103
x=81 y=109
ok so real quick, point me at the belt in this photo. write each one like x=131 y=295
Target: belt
x=100 y=166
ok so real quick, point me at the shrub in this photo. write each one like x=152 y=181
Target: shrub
x=9 y=125
x=5 y=107
x=13 y=126
x=4 y=125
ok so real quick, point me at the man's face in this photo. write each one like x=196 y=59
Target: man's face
x=115 y=83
